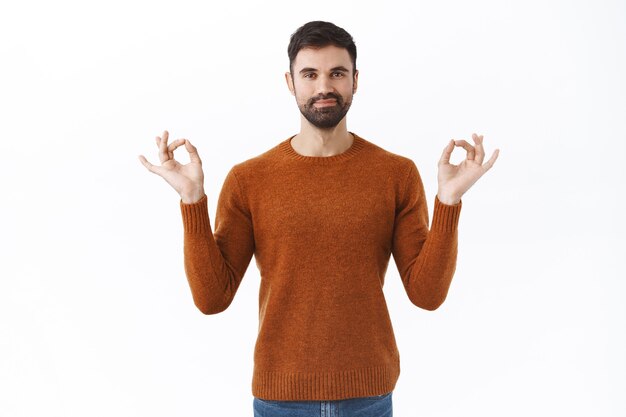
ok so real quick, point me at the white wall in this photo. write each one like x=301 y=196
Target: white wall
x=96 y=316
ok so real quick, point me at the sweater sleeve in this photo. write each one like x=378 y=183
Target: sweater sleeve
x=215 y=263
x=426 y=259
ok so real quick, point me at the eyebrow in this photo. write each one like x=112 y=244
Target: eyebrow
x=309 y=69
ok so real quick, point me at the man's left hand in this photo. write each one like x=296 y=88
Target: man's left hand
x=455 y=180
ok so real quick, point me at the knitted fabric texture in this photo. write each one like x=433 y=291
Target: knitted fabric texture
x=322 y=230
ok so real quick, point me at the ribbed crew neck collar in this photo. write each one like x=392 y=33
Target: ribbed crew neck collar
x=357 y=144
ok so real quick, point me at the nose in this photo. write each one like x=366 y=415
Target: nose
x=324 y=85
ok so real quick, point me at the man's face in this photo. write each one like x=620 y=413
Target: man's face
x=323 y=84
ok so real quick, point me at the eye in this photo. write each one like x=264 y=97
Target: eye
x=337 y=74
x=309 y=75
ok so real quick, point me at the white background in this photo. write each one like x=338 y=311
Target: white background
x=96 y=316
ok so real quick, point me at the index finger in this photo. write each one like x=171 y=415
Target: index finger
x=465 y=145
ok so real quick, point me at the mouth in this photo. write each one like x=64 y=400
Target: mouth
x=325 y=103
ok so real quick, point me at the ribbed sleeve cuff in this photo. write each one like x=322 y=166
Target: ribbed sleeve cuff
x=196 y=216
x=446 y=217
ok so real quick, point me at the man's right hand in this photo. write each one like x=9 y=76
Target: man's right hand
x=187 y=180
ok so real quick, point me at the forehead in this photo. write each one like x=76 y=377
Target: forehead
x=322 y=58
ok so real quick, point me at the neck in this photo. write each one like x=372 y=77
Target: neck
x=312 y=141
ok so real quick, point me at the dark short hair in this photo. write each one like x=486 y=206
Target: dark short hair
x=318 y=34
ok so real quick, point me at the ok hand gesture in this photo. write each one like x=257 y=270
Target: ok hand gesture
x=455 y=180
x=187 y=180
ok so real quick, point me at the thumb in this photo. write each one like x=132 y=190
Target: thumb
x=193 y=152
x=447 y=152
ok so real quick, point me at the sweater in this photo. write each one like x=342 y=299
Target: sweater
x=322 y=230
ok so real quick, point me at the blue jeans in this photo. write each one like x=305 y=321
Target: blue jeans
x=376 y=406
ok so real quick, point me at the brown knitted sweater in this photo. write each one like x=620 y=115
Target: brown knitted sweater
x=322 y=230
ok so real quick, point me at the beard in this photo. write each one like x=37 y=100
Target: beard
x=325 y=117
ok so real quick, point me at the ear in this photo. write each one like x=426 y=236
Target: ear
x=355 y=81
x=289 y=80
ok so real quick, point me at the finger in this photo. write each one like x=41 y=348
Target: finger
x=152 y=168
x=480 y=150
x=193 y=152
x=163 y=154
x=172 y=146
x=158 y=138
x=447 y=152
x=487 y=165
x=465 y=145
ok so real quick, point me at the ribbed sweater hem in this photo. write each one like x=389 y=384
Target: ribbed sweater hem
x=324 y=386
